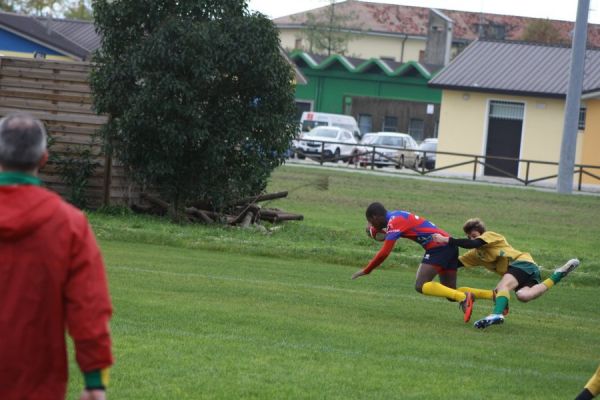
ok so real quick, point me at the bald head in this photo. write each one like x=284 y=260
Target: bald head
x=22 y=142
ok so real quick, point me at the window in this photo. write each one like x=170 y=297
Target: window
x=416 y=128
x=307 y=126
x=390 y=124
x=491 y=31
x=298 y=43
x=365 y=123
x=506 y=110
x=581 y=124
x=392 y=141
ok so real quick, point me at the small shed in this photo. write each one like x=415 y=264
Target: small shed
x=507 y=99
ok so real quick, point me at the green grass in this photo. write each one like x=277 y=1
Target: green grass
x=224 y=313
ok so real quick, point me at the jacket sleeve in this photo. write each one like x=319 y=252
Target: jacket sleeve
x=88 y=307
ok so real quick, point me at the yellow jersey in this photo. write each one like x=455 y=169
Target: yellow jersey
x=496 y=255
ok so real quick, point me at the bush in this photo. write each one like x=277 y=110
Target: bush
x=201 y=100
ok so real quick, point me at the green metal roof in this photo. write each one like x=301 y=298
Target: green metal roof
x=360 y=66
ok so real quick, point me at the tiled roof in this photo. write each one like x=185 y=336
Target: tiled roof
x=519 y=68
x=33 y=29
x=413 y=21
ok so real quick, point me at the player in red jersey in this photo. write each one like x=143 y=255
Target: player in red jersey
x=439 y=259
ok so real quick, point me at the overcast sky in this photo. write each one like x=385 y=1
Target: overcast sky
x=552 y=9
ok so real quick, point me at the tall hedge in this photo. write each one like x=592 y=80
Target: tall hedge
x=201 y=102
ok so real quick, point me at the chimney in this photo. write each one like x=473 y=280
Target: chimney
x=439 y=39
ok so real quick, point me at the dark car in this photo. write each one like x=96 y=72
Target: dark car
x=427 y=153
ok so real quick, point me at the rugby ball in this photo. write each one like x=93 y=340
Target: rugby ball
x=376 y=234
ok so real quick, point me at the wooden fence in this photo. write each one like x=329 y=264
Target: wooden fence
x=58 y=93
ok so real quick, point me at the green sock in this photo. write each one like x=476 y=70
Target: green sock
x=556 y=276
x=501 y=301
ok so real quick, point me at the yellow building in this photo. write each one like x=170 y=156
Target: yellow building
x=507 y=100
x=399 y=33
x=590 y=148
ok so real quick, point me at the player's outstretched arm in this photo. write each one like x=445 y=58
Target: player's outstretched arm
x=358 y=274
x=380 y=257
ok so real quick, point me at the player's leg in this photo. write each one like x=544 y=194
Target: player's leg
x=442 y=260
x=592 y=388
x=448 y=278
x=485 y=294
x=507 y=283
x=561 y=272
x=424 y=284
x=535 y=287
x=425 y=273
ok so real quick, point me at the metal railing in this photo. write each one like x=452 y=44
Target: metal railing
x=374 y=156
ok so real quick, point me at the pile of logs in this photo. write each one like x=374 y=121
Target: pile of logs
x=244 y=212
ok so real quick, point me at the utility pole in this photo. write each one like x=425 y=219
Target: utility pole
x=569 y=139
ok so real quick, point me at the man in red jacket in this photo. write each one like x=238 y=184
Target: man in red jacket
x=52 y=278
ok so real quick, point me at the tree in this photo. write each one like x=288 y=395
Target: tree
x=201 y=102
x=38 y=7
x=80 y=10
x=7 y=5
x=329 y=30
x=542 y=31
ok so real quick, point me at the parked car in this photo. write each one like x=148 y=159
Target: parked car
x=311 y=119
x=391 y=148
x=362 y=147
x=424 y=155
x=336 y=143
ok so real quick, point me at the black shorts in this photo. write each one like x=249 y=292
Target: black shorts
x=445 y=257
x=526 y=277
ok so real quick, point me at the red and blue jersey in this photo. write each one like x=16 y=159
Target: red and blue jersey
x=410 y=226
x=402 y=224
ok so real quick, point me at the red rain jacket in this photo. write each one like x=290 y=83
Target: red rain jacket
x=51 y=277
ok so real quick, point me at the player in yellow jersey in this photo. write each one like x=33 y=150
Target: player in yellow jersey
x=592 y=388
x=518 y=269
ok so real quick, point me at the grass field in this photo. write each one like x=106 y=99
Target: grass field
x=217 y=313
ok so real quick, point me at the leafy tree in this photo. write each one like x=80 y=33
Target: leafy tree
x=38 y=7
x=201 y=102
x=328 y=31
x=7 y=5
x=81 y=10
x=542 y=31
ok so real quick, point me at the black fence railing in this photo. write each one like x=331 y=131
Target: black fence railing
x=422 y=162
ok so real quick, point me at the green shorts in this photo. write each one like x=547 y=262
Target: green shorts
x=526 y=273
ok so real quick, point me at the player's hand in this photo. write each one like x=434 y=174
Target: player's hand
x=436 y=237
x=93 y=395
x=358 y=274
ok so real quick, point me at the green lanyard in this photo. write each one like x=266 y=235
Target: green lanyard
x=18 y=178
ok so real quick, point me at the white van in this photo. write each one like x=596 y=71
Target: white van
x=312 y=119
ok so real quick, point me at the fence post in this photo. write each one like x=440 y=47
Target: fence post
x=107 y=180
x=322 y=152
x=475 y=167
x=527 y=174
x=580 y=178
x=373 y=158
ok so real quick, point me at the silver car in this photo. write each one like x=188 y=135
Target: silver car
x=387 y=149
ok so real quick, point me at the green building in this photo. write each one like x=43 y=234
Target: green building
x=383 y=95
